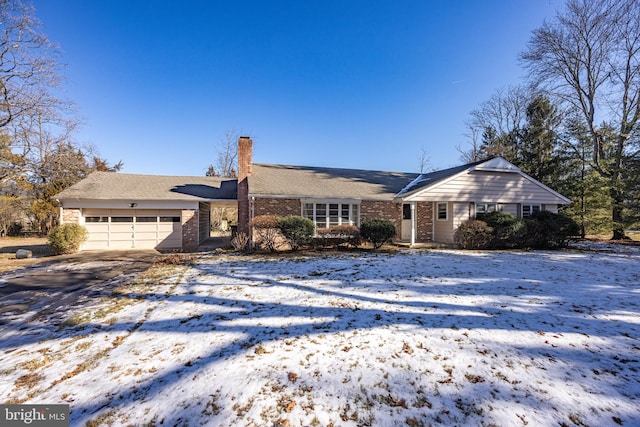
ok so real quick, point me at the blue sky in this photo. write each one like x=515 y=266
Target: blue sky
x=355 y=84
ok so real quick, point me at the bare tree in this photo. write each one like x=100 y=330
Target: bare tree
x=226 y=156
x=424 y=160
x=38 y=155
x=588 y=58
x=472 y=154
x=29 y=68
x=497 y=121
x=225 y=166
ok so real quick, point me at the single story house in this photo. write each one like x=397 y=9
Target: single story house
x=135 y=211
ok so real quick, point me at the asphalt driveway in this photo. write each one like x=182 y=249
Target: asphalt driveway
x=45 y=287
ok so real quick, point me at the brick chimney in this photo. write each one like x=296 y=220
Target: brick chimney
x=245 y=155
x=245 y=169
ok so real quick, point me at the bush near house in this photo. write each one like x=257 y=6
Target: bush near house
x=240 y=242
x=508 y=230
x=296 y=230
x=548 y=230
x=267 y=232
x=473 y=234
x=499 y=230
x=338 y=236
x=377 y=231
x=67 y=238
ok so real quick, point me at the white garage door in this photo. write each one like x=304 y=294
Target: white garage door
x=133 y=229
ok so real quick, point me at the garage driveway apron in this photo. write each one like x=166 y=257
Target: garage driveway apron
x=44 y=288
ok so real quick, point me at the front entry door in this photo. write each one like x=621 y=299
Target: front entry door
x=406 y=221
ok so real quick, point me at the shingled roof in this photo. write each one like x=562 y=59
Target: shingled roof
x=268 y=180
x=427 y=179
x=121 y=186
x=306 y=181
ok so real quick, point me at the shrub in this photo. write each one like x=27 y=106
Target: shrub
x=67 y=238
x=338 y=235
x=296 y=230
x=473 y=234
x=550 y=230
x=240 y=242
x=508 y=230
x=267 y=232
x=377 y=231
x=14 y=229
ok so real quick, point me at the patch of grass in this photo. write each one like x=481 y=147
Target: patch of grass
x=474 y=379
x=75 y=320
x=106 y=418
x=113 y=307
x=33 y=364
x=29 y=380
x=87 y=364
x=83 y=346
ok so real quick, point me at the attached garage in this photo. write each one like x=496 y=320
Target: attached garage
x=133 y=229
x=125 y=211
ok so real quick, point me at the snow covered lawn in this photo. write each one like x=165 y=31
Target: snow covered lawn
x=415 y=338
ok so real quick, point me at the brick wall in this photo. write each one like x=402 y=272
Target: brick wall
x=391 y=211
x=70 y=216
x=280 y=207
x=424 y=232
x=189 y=229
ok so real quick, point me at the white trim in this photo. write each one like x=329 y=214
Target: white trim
x=126 y=204
x=413 y=222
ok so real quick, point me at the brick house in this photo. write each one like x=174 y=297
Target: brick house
x=123 y=210
x=423 y=207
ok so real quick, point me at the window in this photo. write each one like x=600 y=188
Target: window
x=334 y=219
x=146 y=219
x=169 y=219
x=325 y=215
x=96 y=219
x=529 y=210
x=483 y=208
x=406 y=211
x=121 y=219
x=442 y=212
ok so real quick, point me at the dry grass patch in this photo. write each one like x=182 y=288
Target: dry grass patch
x=29 y=380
